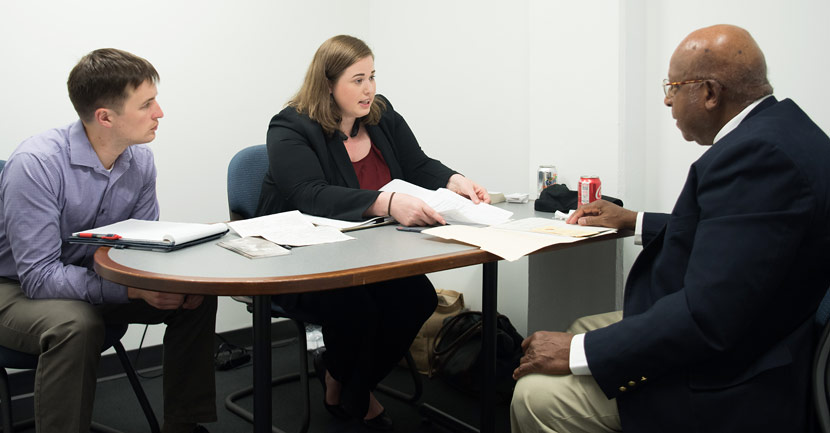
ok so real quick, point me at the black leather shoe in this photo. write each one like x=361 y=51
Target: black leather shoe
x=381 y=422
x=320 y=369
x=200 y=429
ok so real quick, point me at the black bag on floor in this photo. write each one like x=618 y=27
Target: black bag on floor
x=458 y=353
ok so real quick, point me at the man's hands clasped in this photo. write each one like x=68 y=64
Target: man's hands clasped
x=166 y=301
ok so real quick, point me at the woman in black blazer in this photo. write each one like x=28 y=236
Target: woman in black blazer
x=330 y=150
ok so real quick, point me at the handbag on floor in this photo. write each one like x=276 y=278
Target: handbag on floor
x=458 y=353
x=450 y=303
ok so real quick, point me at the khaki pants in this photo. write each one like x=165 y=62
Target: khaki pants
x=565 y=404
x=68 y=334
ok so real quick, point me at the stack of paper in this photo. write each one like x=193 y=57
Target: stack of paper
x=450 y=205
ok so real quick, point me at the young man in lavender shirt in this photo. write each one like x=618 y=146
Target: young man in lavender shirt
x=93 y=172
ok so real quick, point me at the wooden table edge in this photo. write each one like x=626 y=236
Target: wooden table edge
x=131 y=277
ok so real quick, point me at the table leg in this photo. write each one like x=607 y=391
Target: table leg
x=489 y=308
x=262 y=363
x=489 y=300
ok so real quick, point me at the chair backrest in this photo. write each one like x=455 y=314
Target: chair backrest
x=823 y=312
x=821 y=366
x=245 y=174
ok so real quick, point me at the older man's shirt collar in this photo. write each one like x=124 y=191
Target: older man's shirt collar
x=735 y=121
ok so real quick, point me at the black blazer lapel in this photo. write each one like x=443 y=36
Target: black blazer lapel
x=341 y=161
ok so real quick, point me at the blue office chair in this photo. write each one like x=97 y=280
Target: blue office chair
x=246 y=171
x=10 y=358
x=821 y=366
x=245 y=174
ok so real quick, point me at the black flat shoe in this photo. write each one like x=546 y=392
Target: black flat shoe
x=381 y=422
x=320 y=369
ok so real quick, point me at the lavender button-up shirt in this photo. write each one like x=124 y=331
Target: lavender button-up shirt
x=54 y=185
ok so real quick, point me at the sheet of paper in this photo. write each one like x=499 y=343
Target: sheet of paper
x=510 y=245
x=288 y=228
x=257 y=226
x=450 y=205
x=313 y=236
x=554 y=227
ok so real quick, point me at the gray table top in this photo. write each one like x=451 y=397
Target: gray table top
x=376 y=254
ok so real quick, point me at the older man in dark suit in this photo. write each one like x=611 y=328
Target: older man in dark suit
x=717 y=331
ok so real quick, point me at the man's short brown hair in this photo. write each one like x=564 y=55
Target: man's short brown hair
x=103 y=78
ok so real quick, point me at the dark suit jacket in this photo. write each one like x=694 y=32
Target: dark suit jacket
x=311 y=172
x=718 y=331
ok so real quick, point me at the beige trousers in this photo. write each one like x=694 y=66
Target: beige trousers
x=565 y=404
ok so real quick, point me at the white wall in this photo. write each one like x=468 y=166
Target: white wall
x=226 y=68
x=491 y=88
x=793 y=35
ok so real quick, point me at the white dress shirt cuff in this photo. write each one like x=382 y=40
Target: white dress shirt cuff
x=578 y=361
x=638 y=229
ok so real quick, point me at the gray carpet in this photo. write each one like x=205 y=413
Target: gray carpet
x=116 y=406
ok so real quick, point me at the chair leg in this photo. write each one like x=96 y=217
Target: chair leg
x=416 y=380
x=137 y=388
x=5 y=399
x=302 y=376
x=303 y=355
x=5 y=402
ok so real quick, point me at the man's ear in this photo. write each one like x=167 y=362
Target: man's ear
x=103 y=117
x=713 y=94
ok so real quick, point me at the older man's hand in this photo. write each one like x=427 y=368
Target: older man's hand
x=604 y=214
x=545 y=353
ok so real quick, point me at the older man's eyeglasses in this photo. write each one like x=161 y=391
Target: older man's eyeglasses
x=670 y=88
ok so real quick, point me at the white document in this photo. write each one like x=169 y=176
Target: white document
x=288 y=228
x=450 y=205
x=156 y=231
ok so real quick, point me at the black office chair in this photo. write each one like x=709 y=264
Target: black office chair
x=821 y=366
x=10 y=358
x=246 y=171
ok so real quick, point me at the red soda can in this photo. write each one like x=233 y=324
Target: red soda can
x=590 y=190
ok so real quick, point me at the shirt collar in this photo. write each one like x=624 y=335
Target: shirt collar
x=735 y=121
x=81 y=151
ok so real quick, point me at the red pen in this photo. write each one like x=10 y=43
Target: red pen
x=109 y=237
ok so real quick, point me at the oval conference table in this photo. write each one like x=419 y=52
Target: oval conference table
x=378 y=254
